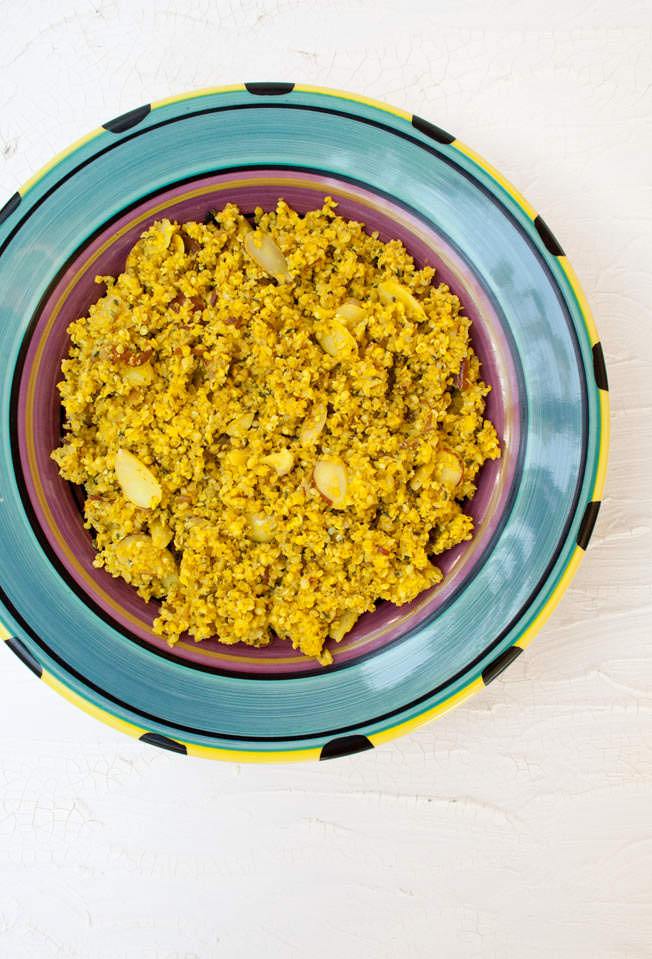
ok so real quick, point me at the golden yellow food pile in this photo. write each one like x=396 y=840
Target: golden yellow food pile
x=275 y=427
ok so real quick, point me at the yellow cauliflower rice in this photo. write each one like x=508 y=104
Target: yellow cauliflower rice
x=276 y=425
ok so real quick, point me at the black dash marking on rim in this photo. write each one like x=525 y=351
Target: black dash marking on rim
x=345 y=746
x=588 y=522
x=164 y=743
x=600 y=368
x=551 y=242
x=269 y=89
x=127 y=120
x=430 y=130
x=23 y=653
x=500 y=663
x=9 y=207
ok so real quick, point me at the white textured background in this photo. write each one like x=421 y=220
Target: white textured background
x=521 y=824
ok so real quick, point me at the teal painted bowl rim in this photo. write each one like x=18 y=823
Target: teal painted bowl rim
x=442 y=146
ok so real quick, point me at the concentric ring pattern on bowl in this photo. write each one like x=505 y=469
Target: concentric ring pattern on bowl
x=88 y=635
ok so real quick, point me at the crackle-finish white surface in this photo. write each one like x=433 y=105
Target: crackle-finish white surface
x=521 y=824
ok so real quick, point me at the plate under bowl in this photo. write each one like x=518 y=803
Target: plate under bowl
x=90 y=636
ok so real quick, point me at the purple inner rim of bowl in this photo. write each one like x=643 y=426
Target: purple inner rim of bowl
x=302 y=191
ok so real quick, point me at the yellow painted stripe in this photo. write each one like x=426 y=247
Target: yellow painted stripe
x=89 y=708
x=603 y=453
x=99 y=130
x=58 y=158
x=4 y=632
x=493 y=172
x=248 y=756
x=206 y=752
x=594 y=337
x=550 y=606
x=206 y=91
x=343 y=95
x=601 y=471
x=411 y=724
x=242 y=756
x=581 y=298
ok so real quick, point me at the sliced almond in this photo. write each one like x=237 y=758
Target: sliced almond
x=261 y=528
x=390 y=290
x=176 y=245
x=313 y=424
x=138 y=552
x=450 y=469
x=197 y=522
x=281 y=462
x=329 y=477
x=349 y=312
x=343 y=624
x=136 y=480
x=421 y=476
x=137 y=376
x=160 y=532
x=335 y=339
x=157 y=239
x=264 y=251
x=134 y=543
x=236 y=459
x=240 y=425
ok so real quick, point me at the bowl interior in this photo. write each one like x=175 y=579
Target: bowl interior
x=56 y=504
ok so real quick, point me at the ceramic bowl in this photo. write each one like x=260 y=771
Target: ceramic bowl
x=90 y=636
